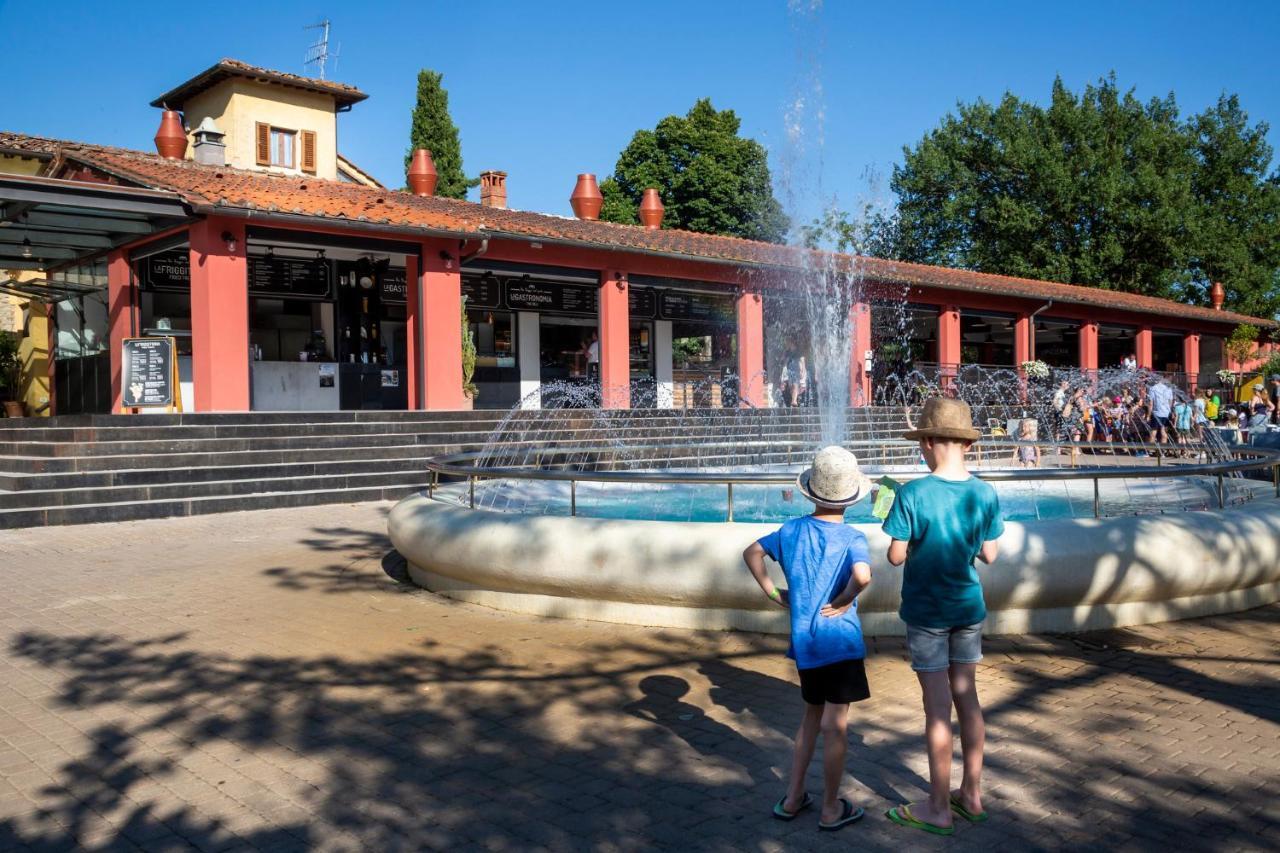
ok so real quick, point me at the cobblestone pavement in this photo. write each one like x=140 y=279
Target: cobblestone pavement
x=262 y=681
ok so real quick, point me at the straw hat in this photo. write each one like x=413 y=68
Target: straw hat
x=834 y=478
x=944 y=417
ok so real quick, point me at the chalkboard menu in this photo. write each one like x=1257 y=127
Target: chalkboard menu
x=297 y=278
x=482 y=292
x=557 y=298
x=168 y=271
x=701 y=307
x=149 y=371
x=641 y=304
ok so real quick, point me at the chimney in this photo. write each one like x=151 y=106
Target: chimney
x=651 y=209
x=171 y=139
x=586 y=198
x=1218 y=295
x=493 y=189
x=209 y=149
x=422 y=173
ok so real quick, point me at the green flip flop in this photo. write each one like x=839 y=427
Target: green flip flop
x=781 y=813
x=902 y=816
x=959 y=809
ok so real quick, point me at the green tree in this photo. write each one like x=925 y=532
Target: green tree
x=1098 y=189
x=712 y=180
x=432 y=128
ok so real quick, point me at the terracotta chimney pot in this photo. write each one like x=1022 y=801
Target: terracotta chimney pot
x=422 y=173
x=493 y=189
x=586 y=199
x=1218 y=295
x=651 y=209
x=171 y=139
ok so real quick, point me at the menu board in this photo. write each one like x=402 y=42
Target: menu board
x=551 y=297
x=149 y=368
x=169 y=271
x=395 y=286
x=299 y=278
x=482 y=291
x=641 y=303
x=701 y=307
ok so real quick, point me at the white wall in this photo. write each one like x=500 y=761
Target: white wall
x=662 y=363
x=529 y=345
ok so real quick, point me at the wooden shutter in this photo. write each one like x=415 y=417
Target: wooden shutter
x=309 y=151
x=263 y=147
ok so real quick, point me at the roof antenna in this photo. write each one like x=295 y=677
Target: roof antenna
x=318 y=54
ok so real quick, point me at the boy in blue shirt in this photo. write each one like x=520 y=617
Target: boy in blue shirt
x=939 y=524
x=827 y=564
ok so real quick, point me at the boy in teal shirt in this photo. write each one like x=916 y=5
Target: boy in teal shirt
x=939 y=524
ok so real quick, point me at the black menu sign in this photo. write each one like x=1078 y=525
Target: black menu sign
x=482 y=292
x=553 y=298
x=641 y=303
x=702 y=307
x=395 y=286
x=148 y=372
x=300 y=278
x=169 y=271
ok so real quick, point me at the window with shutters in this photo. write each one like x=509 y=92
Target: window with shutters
x=282 y=148
x=309 y=151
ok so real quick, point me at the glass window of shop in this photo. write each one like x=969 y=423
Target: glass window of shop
x=82 y=364
x=1166 y=350
x=496 y=377
x=164 y=289
x=1057 y=342
x=986 y=338
x=371 y=333
x=1211 y=360
x=1115 y=344
x=704 y=344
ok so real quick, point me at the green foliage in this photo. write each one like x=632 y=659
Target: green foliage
x=433 y=129
x=711 y=179
x=1270 y=367
x=10 y=364
x=1098 y=189
x=873 y=233
x=468 y=355
x=1242 y=342
x=685 y=350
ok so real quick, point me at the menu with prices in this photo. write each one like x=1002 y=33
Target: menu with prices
x=149 y=369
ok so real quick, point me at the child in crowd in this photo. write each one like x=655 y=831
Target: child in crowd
x=826 y=563
x=1027 y=455
x=939 y=524
x=1182 y=416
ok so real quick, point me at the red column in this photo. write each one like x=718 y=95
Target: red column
x=122 y=318
x=615 y=341
x=948 y=342
x=1143 y=348
x=1191 y=360
x=1023 y=345
x=219 y=316
x=1089 y=346
x=859 y=375
x=750 y=308
x=441 y=311
x=413 y=331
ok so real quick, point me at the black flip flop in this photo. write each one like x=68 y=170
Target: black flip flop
x=850 y=814
x=782 y=814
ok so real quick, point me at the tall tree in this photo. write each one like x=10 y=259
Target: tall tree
x=1097 y=189
x=433 y=128
x=712 y=180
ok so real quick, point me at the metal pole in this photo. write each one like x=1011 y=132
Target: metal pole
x=1097 y=500
x=472 y=481
x=573 y=497
x=1275 y=475
x=730 y=518
x=1222 y=496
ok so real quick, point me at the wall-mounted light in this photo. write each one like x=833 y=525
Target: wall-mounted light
x=26 y=247
x=230 y=240
x=447 y=258
x=319 y=254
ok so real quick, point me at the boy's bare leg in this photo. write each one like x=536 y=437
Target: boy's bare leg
x=973 y=733
x=806 y=741
x=835 y=740
x=939 y=741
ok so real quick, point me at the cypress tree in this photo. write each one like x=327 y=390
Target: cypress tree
x=432 y=128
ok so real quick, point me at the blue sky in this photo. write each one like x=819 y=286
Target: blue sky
x=547 y=90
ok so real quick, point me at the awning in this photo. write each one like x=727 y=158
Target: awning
x=47 y=292
x=46 y=223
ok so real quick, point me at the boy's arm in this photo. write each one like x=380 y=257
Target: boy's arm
x=990 y=550
x=754 y=558
x=897 y=552
x=859 y=579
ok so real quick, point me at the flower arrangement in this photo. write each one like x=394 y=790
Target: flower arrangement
x=1226 y=377
x=1035 y=369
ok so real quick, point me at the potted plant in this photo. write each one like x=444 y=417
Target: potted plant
x=11 y=375
x=1036 y=369
x=469 y=389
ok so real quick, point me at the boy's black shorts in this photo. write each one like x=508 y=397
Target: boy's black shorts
x=838 y=683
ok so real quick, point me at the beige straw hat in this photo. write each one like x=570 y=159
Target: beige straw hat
x=944 y=417
x=834 y=479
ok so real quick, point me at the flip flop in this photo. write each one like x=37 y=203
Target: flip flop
x=849 y=814
x=972 y=817
x=782 y=814
x=902 y=816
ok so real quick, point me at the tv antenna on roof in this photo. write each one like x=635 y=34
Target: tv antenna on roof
x=318 y=54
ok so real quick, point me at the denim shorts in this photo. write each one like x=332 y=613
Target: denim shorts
x=935 y=649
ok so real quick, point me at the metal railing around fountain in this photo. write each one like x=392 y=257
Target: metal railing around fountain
x=1245 y=458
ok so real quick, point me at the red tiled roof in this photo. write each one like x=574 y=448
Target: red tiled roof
x=36 y=146
x=209 y=188
x=175 y=98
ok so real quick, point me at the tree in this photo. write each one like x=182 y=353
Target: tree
x=711 y=179
x=1098 y=189
x=432 y=128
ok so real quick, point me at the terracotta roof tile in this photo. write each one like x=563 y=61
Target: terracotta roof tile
x=175 y=98
x=208 y=186
x=36 y=145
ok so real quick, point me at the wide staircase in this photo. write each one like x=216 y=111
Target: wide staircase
x=96 y=468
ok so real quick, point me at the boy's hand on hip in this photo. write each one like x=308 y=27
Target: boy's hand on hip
x=830 y=610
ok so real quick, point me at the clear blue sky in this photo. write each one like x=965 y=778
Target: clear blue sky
x=547 y=90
